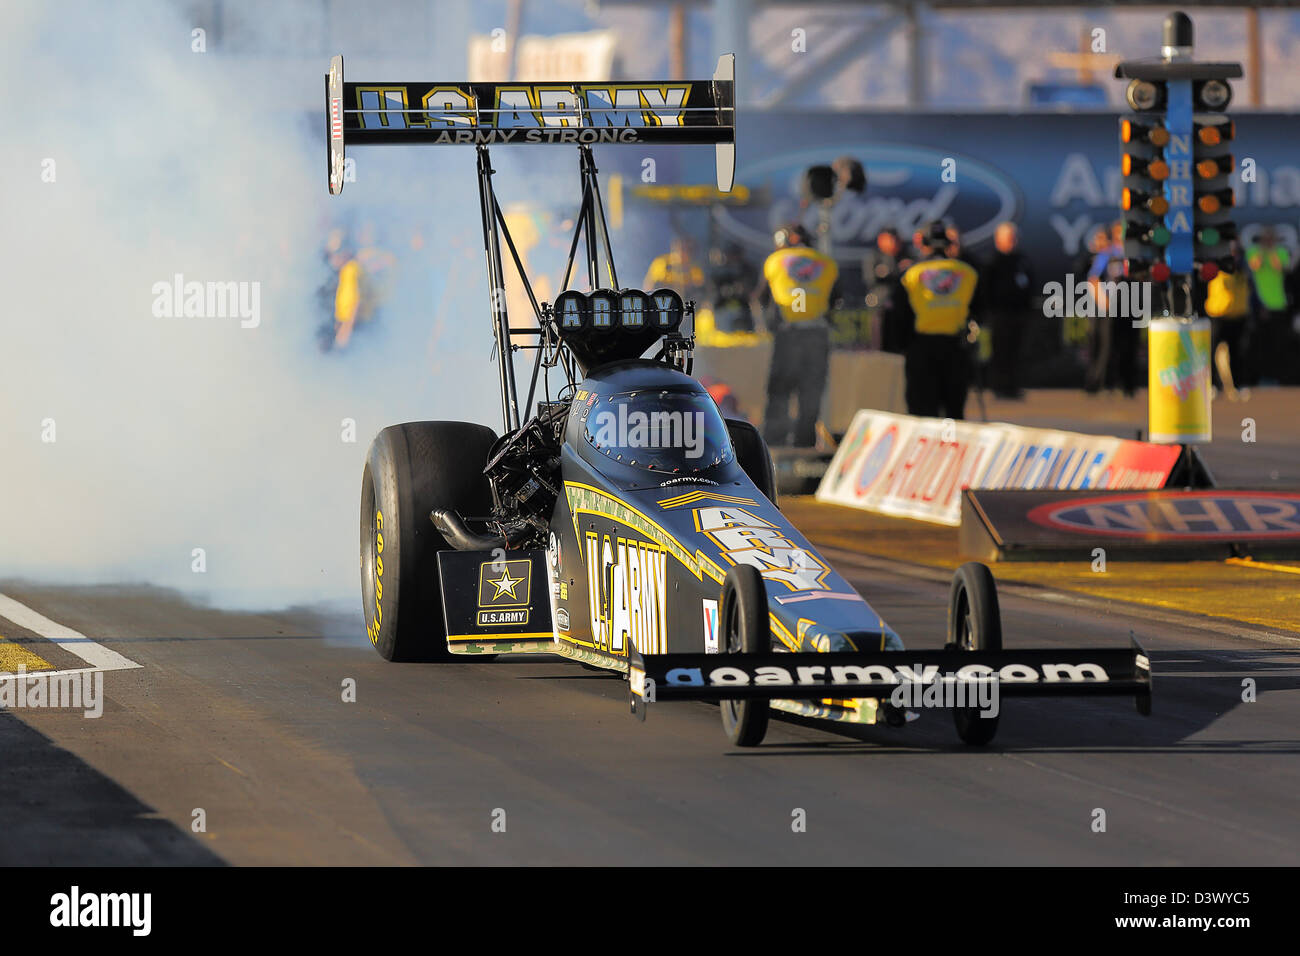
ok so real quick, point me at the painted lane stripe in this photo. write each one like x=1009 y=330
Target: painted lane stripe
x=1261 y=565
x=14 y=656
x=96 y=655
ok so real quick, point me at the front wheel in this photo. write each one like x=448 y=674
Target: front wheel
x=974 y=624
x=745 y=629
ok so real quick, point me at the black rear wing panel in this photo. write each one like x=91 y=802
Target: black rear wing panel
x=654 y=112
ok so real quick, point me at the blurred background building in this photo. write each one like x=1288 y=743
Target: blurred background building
x=1015 y=99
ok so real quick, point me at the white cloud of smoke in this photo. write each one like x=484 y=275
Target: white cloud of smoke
x=173 y=434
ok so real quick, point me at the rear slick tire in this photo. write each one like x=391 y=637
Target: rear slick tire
x=410 y=470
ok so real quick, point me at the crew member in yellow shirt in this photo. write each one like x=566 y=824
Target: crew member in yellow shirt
x=676 y=270
x=347 y=301
x=793 y=298
x=1227 y=303
x=938 y=291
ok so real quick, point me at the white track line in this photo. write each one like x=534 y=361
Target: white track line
x=98 y=656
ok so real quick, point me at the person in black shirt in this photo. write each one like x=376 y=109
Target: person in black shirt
x=882 y=269
x=1006 y=291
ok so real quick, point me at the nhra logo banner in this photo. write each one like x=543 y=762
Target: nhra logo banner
x=1181 y=515
x=917 y=467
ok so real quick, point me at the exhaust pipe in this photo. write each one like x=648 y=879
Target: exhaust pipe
x=452 y=527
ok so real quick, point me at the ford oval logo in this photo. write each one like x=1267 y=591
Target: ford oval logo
x=906 y=190
x=1193 y=515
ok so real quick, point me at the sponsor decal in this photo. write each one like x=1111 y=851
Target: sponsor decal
x=376 y=618
x=686 y=481
x=1179 y=380
x=629 y=310
x=917 y=467
x=553 y=553
x=710 y=626
x=940 y=280
x=905 y=193
x=336 y=117
x=627 y=584
x=801 y=268
x=562 y=619
x=874 y=463
x=503 y=596
x=745 y=538
x=527 y=112
x=584 y=499
x=1191 y=515
x=847 y=455
x=503 y=618
x=735 y=675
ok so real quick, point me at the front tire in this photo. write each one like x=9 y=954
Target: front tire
x=410 y=470
x=974 y=624
x=742 y=616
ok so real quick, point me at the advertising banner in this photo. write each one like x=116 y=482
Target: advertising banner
x=917 y=467
x=1162 y=524
x=1055 y=174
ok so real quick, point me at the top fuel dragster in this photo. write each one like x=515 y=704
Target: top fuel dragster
x=623 y=522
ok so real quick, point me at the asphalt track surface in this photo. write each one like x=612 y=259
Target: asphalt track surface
x=241 y=715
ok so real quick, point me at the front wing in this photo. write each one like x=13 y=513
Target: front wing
x=816 y=676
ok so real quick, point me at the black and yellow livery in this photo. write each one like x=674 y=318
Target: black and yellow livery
x=625 y=523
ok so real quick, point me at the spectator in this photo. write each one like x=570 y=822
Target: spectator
x=729 y=282
x=1006 y=291
x=676 y=270
x=1097 y=248
x=347 y=298
x=883 y=270
x=1269 y=263
x=797 y=287
x=1117 y=353
x=1227 y=303
x=939 y=291
x=956 y=250
x=850 y=176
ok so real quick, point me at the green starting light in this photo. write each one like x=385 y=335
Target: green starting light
x=1160 y=236
x=1209 y=236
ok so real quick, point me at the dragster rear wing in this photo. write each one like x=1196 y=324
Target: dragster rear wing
x=488 y=114
x=843 y=676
